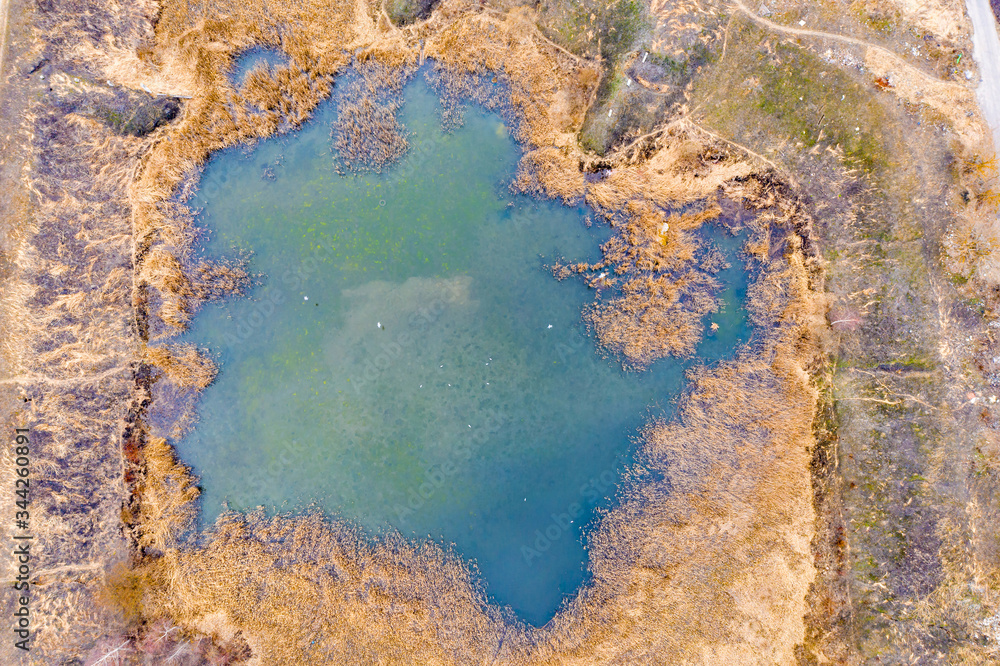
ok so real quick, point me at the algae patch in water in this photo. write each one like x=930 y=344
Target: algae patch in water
x=408 y=361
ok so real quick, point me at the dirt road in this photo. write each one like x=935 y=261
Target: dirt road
x=986 y=50
x=885 y=53
x=954 y=100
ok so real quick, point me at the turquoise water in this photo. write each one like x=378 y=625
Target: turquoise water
x=408 y=361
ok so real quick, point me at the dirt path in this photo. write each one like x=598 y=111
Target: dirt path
x=986 y=51
x=885 y=53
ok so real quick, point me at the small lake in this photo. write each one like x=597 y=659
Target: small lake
x=408 y=360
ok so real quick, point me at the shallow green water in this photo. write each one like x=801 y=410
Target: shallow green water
x=408 y=361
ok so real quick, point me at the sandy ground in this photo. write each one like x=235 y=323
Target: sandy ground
x=986 y=46
x=938 y=17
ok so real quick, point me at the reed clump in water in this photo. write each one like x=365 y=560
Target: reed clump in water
x=552 y=172
x=367 y=134
x=181 y=291
x=665 y=286
x=165 y=508
x=184 y=364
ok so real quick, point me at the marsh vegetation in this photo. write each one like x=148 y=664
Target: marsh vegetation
x=805 y=144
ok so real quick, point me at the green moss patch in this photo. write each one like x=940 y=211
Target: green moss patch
x=770 y=92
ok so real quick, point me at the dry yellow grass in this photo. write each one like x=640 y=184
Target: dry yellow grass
x=183 y=364
x=676 y=575
x=676 y=174
x=714 y=571
x=166 y=494
x=665 y=291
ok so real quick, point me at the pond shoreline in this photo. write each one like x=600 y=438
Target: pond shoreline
x=104 y=276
